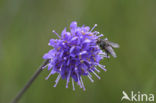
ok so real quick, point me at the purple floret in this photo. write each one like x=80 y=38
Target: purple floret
x=75 y=54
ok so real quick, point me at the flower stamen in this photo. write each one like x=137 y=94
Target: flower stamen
x=93 y=27
x=90 y=77
x=48 y=76
x=57 y=80
x=56 y=33
x=73 y=84
x=102 y=67
x=97 y=70
x=82 y=84
x=68 y=78
x=96 y=74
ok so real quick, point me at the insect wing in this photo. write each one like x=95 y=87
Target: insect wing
x=114 y=45
x=111 y=51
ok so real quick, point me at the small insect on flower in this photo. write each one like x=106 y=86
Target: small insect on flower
x=107 y=46
x=77 y=53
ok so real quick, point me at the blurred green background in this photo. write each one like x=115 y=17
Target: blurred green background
x=25 y=30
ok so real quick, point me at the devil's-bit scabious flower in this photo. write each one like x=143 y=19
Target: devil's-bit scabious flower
x=75 y=54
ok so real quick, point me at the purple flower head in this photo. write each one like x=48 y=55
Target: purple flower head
x=75 y=54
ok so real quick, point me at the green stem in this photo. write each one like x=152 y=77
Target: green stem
x=38 y=71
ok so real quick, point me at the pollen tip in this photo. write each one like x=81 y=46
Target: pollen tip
x=46 y=78
x=84 y=89
x=53 y=31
